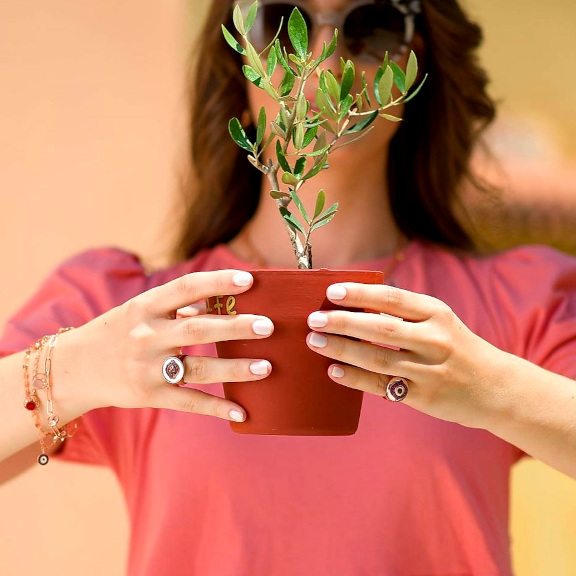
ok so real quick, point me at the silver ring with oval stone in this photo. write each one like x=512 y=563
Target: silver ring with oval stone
x=397 y=389
x=173 y=369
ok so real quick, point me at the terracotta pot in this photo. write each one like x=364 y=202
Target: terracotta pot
x=298 y=398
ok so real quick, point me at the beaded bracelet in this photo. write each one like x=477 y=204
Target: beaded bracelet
x=43 y=381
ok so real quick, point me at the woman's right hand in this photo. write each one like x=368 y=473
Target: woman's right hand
x=116 y=359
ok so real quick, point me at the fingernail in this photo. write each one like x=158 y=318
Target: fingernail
x=318 y=340
x=336 y=292
x=317 y=320
x=263 y=327
x=260 y=368
x=237 y=415
x=336 y=372
x=242 y=279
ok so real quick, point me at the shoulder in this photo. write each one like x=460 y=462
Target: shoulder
x=532 y=268
x=107 y=273
x=104 y=260
x=506 y=297
x=117 y=267
x=537 y=271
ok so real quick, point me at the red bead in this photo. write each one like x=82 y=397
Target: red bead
x=30 y=405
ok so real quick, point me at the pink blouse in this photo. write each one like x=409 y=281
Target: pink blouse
x=407 y=495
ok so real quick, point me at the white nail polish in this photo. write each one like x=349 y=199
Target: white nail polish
x=263 y=327
x=242 y=279
x=336 y=372
x=260 y=368
x=318 y=340
x=317 y=320
x=336 y=292
x=236 y=415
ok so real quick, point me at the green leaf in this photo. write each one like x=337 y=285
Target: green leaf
x=269 y=89
x=325 y=104
x=299 y=166
x=365 y=89
x=345 y=106
x=314 y=122
x=330 y=85
x=329 y=211
x=232 y=41
x=238 y=20
x=252 y=75
x=411 y=70
x=261 y=126
x=320 y=201
x=274 y=38
x=319 y=165
x=417 y=90
x=391 y=118
x=325 y=217
x=289 y=179
x=281 y=57
x=287 y=83
x=298 y=33
x=283 y=115
x=385 y=61
x=271 y=63
x=399 y=77
x=277 y=195
x=251 y=17
x=282 y=158
x=348 y=75
x=254 y=59
x=238 y=135
x=291 y=220
x=299 y=204
x=293 y=58
x=309 y=136
x=301 y=107
x=321 y=142
x=329 y=49
x=318 y=152
x=298 y=136
x=384 y=87
x=322 y=222
x=363 y=124
x=278 y=130
x=377 y=77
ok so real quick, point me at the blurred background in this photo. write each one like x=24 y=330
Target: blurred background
x=92 y=141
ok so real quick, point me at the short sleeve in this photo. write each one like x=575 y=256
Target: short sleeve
x=538 y=286
x=80 y=289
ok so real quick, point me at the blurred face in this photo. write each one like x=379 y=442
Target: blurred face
x=367 y=30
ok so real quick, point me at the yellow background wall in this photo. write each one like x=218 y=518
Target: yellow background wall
x=91 y=134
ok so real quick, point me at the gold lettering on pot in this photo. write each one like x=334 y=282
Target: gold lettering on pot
x=218 y=305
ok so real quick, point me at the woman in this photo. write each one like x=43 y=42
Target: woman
x=486 y=345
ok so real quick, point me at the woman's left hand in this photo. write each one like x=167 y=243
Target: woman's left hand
x=451 y=373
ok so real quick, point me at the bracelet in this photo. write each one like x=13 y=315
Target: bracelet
x=43 y=349
x=32 y=404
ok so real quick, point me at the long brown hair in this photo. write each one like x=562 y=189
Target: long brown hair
x=429 y=157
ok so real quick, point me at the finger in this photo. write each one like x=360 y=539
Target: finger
x=208 y=328
x=380 y=328
x=389 y=299
x=192 y=310
x=369 y=382
x=197 y=402
x=191 y=288
x=378 y=359
x=204 y=370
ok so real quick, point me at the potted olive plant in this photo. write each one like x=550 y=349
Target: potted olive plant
x=298 y=398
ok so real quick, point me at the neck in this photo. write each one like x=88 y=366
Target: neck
x=363 y=228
